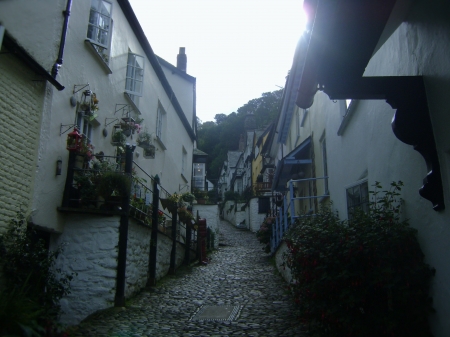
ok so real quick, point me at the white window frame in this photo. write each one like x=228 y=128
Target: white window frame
x=132 y=75
x=160 y=123
x=85 y=127
x=98 y=15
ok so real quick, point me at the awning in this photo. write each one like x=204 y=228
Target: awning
x=291 y=164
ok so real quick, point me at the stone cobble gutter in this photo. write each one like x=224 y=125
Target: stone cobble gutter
x=239 y=278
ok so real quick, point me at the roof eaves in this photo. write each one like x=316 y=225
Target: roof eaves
x=21 y=53
x=138 y=31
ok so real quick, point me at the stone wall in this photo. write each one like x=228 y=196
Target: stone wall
x=284 y=271
x=232 y=212
x=137 y=257
x=91 y=251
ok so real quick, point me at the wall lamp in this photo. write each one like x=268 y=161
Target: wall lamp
x=58 y=166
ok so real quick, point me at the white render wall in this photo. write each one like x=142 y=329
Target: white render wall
x=80 y=67
x=211 y=214
x=91 y=251
x=255 y=218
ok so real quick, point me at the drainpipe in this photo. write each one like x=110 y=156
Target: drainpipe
x=59 y=61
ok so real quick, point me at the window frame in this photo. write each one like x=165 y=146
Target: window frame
x=85 y=127
x=358 y=183
x=132 y=80
x=97 y=26
x=160 y=123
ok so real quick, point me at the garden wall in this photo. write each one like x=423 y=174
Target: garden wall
x=91 y=251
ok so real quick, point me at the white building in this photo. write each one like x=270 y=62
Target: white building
x=394 y=68
x=53 y=63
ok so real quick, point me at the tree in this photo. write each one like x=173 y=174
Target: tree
x=217 y=138
x=220 y=118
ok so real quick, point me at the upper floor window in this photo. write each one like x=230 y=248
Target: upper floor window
x=99 y=28
x=160 y=122
x=135 y=74
x=85 y=127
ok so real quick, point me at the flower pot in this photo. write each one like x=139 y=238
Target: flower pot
x=127 y=132
x=169 y=205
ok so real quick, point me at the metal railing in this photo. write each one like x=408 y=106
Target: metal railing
x=85 y=183
x=286 y=216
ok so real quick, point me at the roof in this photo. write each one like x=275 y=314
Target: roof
x=174 y=69
x=198 y=152
x=21 y=53
x=233 y=157
x=293 y=82
x=139 y=32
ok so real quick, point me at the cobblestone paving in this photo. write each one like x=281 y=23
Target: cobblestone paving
x=239 y=274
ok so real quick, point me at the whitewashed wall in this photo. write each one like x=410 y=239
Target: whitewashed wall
x=211 y=214
x=90 y=250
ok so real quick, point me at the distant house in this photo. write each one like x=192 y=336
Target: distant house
x=91 y=69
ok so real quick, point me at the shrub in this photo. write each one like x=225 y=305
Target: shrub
x=264 y=233
x=33 y=286
x=364 y=277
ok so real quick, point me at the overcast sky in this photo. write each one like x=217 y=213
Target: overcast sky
x=237 y=49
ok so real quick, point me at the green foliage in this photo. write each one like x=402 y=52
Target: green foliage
x=265 y=232
x=218 y=138
x=33 y=285
x=114 y=184
x=364 y=277
x=230 y=195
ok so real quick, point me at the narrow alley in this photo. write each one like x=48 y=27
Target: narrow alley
x=239 y=293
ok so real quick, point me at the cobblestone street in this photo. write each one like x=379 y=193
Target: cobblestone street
x=239 y=278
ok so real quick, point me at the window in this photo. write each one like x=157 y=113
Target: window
x=357 y=198
x=84 y=126
x=135 y=74
x=99 y=28
x=199 y=176
x=160 y=125
x=323 y=146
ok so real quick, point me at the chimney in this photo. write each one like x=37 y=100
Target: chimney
x=182 y=59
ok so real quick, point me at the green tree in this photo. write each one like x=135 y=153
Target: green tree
x=217 y=138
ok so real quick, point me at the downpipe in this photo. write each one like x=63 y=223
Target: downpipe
x=62 y=43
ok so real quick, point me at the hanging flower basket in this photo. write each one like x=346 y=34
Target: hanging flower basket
x=169 y=205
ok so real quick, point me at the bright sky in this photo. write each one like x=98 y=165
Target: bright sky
x=237 y=49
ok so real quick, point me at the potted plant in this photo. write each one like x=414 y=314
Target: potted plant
x=144 y=140
x=188 y=197
x=118 y=138
x=113 y=187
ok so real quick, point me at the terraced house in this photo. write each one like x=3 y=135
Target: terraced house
x=366 y=101
x=82 y=75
